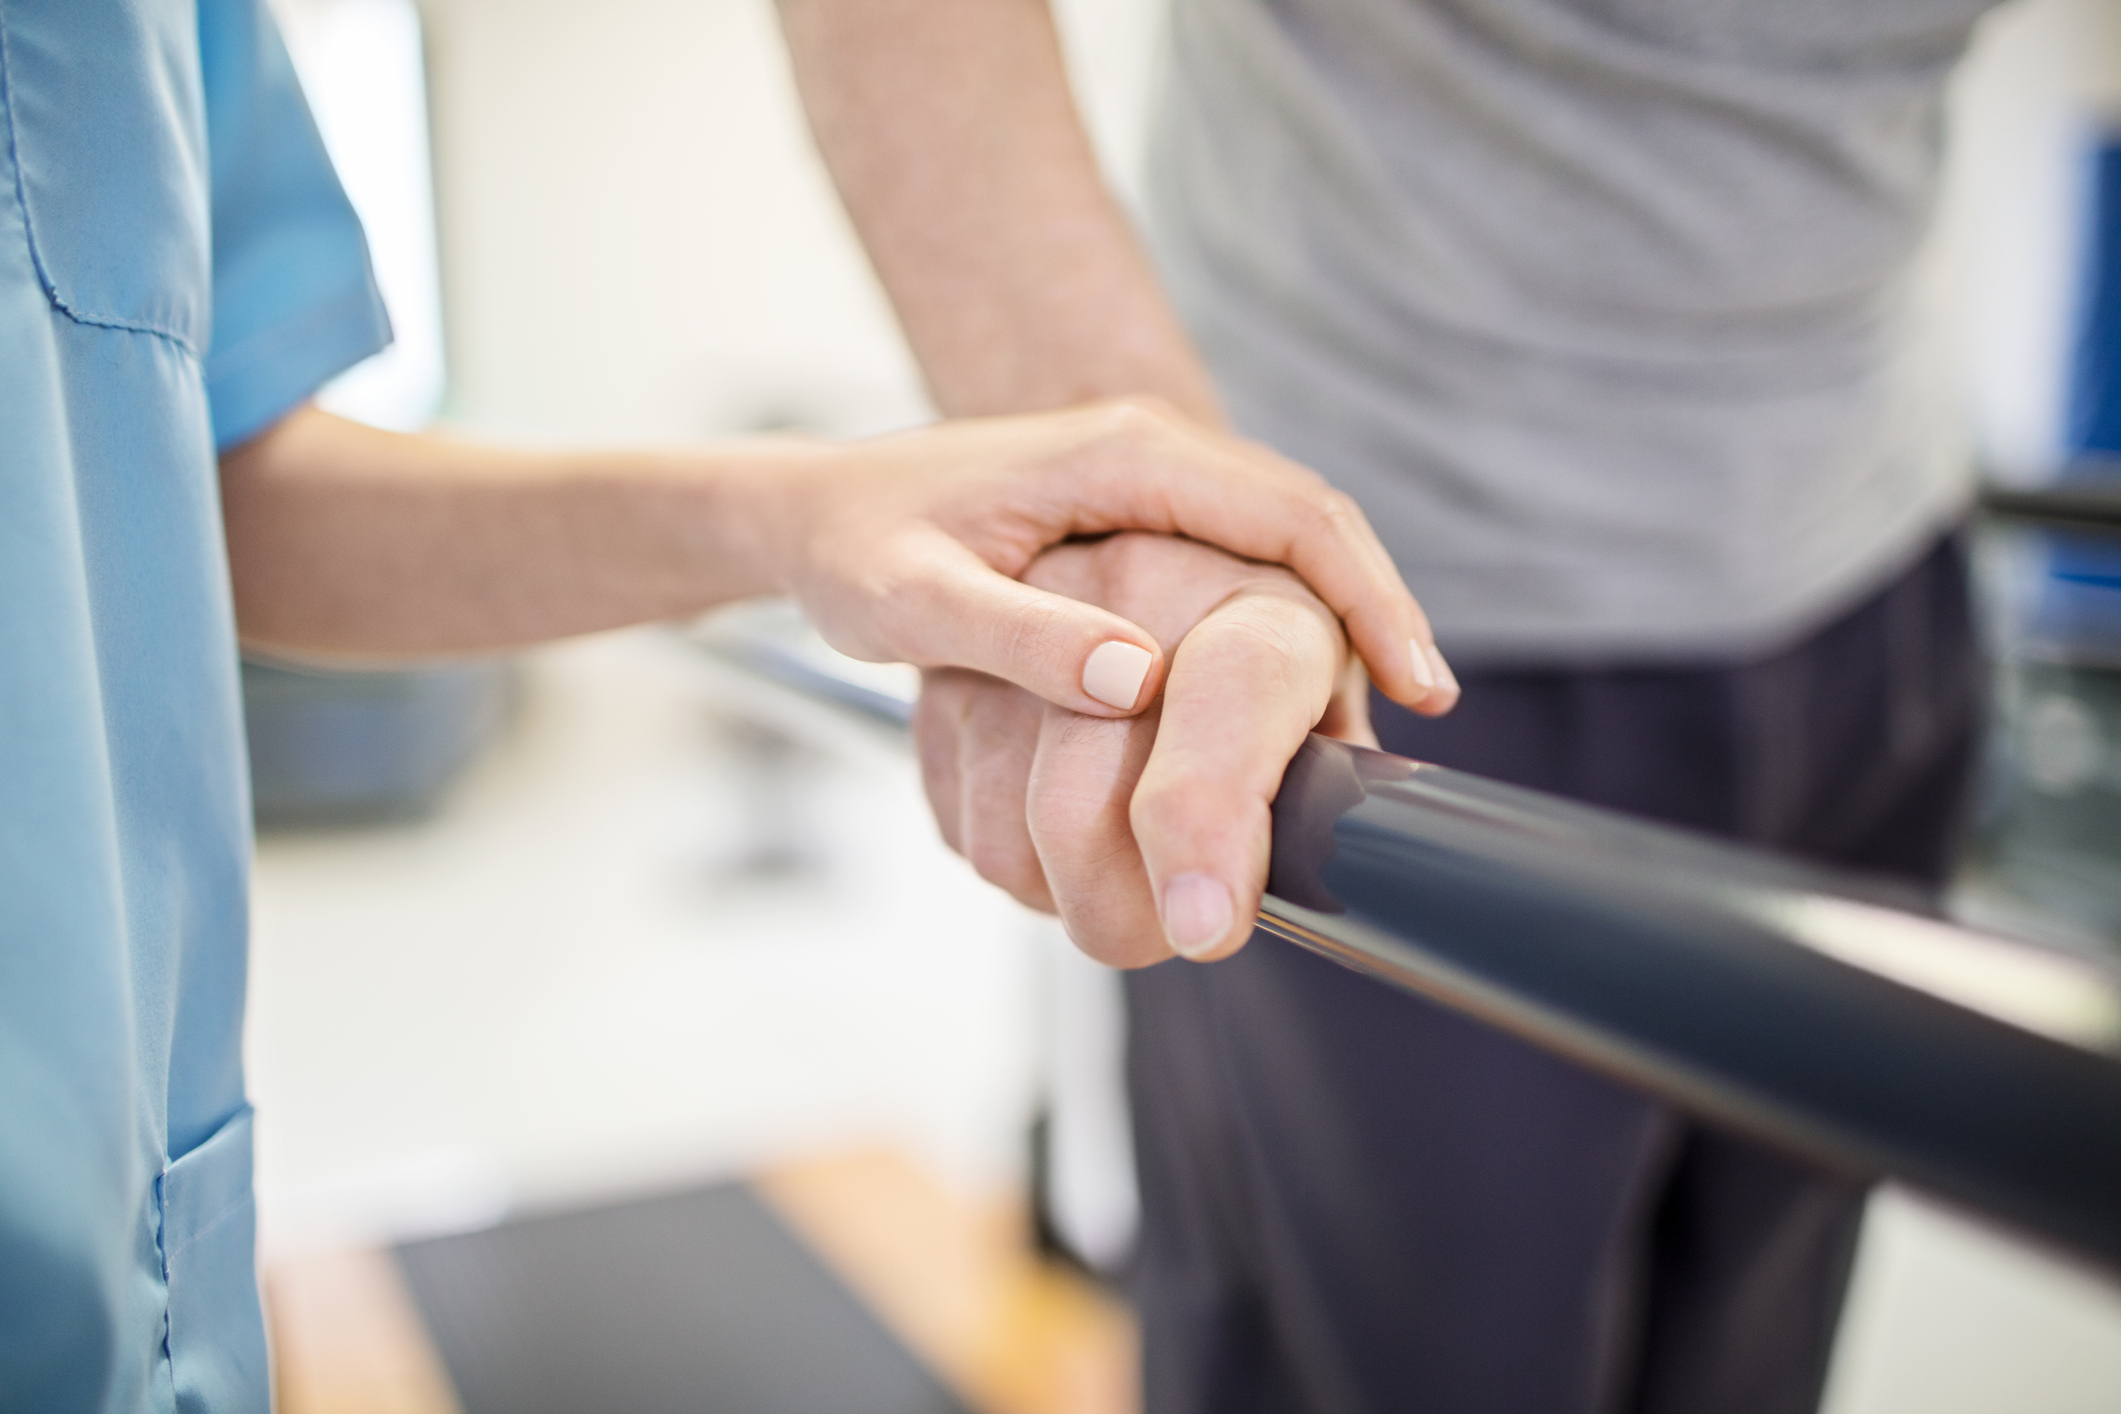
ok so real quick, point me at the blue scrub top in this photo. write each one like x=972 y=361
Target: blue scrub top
x=178 y=268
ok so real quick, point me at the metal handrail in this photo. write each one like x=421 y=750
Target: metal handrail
x=2091 y=502
x=1816 y=1010
x=1809 y=1008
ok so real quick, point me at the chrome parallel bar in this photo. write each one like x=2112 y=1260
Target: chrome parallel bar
x=1796 y=1005
x=1812 y=1009
x=814 y=676
x=2094 y=504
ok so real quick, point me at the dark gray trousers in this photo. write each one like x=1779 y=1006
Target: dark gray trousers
x=1355 y=1200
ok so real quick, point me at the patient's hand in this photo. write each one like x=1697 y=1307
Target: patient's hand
x=1103 y=820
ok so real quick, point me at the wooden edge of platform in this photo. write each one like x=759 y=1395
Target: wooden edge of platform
x=956 y=1278
x=347 y=1338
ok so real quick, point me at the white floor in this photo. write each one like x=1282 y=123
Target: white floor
x=1947 y=1317
x=577 y=979
x=597 y=971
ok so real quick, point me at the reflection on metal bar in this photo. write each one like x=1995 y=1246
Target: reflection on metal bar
x=1791 y=1003
x=770 y=639
x=1809 y=1008
x=2091 y=504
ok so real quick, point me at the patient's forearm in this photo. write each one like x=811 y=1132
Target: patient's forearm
x=953 y=138
x=347 y=540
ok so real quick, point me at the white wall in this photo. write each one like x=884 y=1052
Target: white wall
x=361 y=66
x=639 y=239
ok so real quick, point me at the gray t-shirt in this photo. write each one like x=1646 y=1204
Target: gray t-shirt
x=1604 y=309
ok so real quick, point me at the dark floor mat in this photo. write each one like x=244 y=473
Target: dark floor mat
x=700 y=1303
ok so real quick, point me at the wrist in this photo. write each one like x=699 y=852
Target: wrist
x=767 y=498
x=1051 y=380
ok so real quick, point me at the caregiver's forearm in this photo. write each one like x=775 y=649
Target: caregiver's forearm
x=952 y=136
x=902 y=548
x=346 y=540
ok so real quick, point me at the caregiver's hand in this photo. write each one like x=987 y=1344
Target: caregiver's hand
x=1148 y=835
x=908 y=548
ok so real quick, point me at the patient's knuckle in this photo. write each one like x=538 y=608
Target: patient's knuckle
x=1267 y=653
x=938 y=718
x=1062 y=818
x=1002 y=858
x=1170 y=803
x=1117 y=927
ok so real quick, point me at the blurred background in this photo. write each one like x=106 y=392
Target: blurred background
x=623 y=918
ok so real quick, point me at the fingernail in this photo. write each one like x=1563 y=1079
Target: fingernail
x=1444 y=675
x=1115 y=672
x=1197 y=913
x=1423 y=673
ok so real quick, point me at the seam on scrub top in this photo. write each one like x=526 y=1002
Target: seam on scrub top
x=170 y=1254
x=168 y=1365
x=169 y=1259
x=29 y=224
x=289 y=341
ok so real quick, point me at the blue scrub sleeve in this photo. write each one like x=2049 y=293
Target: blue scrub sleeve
x=295 y=300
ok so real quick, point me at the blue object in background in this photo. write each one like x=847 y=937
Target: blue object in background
x=358 y=747
x=2048 y=833
x=2094 y=417
x=2077 y=614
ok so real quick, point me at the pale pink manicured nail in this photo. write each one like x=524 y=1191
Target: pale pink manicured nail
x=1424 y=675
x=1115 y=672
x=1444 y=675
x=1197 y=913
